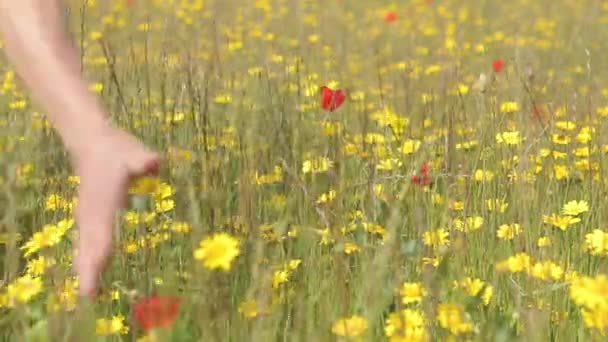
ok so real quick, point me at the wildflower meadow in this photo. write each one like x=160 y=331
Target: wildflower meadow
x=363 y=170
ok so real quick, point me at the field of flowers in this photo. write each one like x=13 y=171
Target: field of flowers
x=333 y=170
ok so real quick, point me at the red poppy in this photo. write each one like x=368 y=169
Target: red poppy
x=390 y=16
x=498 y=65
x=156 y=312
x=424 y=178
x=332 y=99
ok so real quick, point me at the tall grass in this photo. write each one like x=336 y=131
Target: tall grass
x=230 y=89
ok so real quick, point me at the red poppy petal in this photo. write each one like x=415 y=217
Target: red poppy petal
x=498 y=65
x=339 y=97
x=326 y=99
x=156 y=311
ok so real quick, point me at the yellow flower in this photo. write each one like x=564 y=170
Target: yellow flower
x=327 y=197
x=508 y=138
x=483 y=175
x=293 y=264
x=590 y=293
x=280 y=277
x=499 y=205
x=388 y=118
x=350 y=327
x=96 y=87
x=317 y=165
x=602 y=111
x=509 y=107
x=374 y=228
x=565 y=125
x=514 y=264
x=585 y=136
x=457 y=205
x=597 y=242
x=23 y=289
x=468 y=224
x=561 y=222
x=508 y=231
x=388 y=164
x=223 y=99
x=561 y=139
x=436 y=238
x=112 y=326
x=596 y=318
x=582 y=152
x=38 y=266
x=561 y=171
x=546 y=270
x=275 y=176
x=180 y=227
x=452 y=317
x=56 y=202
x=410 y=146
x=406 y=325
x=218 y=251
x=134 y=218
x=50 y=235
x=431 y=261
x=151 y=337
x=412 y=293
x=249 y=308
x=543 y=241
x=164 y=205
x=473 y=287
x=145 y=185
x=326 y=238
x=67 y=297
x=574 y=208
x=350 y=248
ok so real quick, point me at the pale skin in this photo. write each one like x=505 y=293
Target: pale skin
x=105 y=158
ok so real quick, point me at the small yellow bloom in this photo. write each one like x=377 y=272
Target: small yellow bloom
x=317 y=165
x=436 y=238
x=514 y=264
x=543 y=241
x=508 y=138
x=561 y=222
x=468 y=224
x=410 y=146
x=23 y=289
x=454 y=318
x=223 y=99
x=218 y=251
x=412 y=293
x=499 y=205
x=280 y=277
x=350 y=248
x=596 y=242
x=508 y=231
x=546 y=270
x=112 y=326
x=350 y=327
x=574 y=208
x=406 y=325
x=509 y=107
x=483 y=175
x=327 y=197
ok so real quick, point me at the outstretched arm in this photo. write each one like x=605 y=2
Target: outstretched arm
x=47 y=61
x=105 y=158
